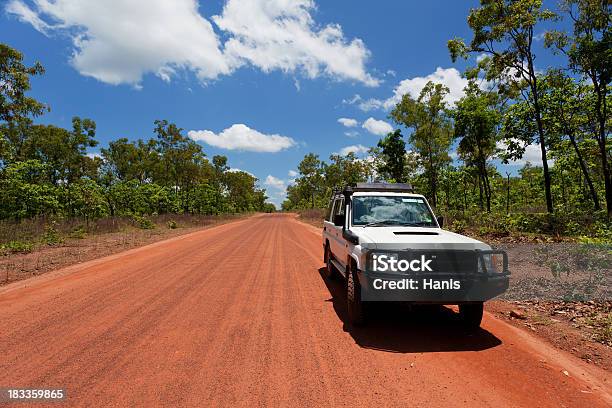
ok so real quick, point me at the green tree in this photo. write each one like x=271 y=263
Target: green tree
x=14 y=84
x=566 y=113
x=432 y=130
x=393 y=157
x=311 y=176
x=63 y=150
x=503 y=30
x=589 y=52
x=477 y=118
x=124 y=160
x=26 y=191
x=345 y=170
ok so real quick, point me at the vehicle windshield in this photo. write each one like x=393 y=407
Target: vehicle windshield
x=391 y=210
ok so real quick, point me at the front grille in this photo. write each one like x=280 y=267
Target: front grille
x=442 y=261
x=450 y=261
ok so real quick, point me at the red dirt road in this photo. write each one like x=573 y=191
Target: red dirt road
x=240 y=315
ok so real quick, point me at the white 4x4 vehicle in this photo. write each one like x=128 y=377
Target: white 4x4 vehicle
x=387 y=244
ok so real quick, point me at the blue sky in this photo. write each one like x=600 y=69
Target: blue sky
x=263 y=82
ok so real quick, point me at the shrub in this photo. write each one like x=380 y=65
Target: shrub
x=17 y=246
x=78 y=232
x=143 y=222
x=172 y=224
x=51 y=236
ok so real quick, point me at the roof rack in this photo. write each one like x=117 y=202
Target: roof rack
x=389 y=187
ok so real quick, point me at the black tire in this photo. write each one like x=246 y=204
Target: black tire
x=330 y=271
x=355 y=306
x=471 y=315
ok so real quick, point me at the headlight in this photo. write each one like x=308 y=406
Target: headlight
x=490 y=261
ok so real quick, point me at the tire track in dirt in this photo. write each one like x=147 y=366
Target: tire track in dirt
x=239 y=315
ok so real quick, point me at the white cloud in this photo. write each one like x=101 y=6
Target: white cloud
x=93 y=155
x=532 y=154
x=377 y=127
x=119 y=41
x=27 y=15
x=357 y=149
x=276 y=189
x=275 y=183
x=282 y=34
x=348 y=122
x=449 y=77
x=292 y=173
x=242 y=137
x=351 y=101
x=237 y=170
x=351 y=133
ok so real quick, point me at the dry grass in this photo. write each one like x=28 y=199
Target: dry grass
x=313 y=216
x=28 y=235
x=34 y=247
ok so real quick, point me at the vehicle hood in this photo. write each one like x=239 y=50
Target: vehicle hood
x=397 y=238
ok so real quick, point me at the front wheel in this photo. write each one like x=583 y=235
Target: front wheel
x=471 y=315
x=355 y=306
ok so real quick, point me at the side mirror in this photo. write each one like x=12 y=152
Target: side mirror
x=350 y=236
x=339 y=220
x=441 y=221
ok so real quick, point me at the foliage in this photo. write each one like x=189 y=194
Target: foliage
x=477 y=119
x=589 y=53
x=143 y=222
x=393 y=154
x=504 y=33
x=14 y=83
x=432 y=131
x=16 y=246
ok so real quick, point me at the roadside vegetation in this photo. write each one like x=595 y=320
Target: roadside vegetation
x=53 y=188
x=510 y=109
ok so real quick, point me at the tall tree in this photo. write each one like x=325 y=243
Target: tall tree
x=393 y=157
x=477 y=118
x=344 y=170
x=566 y=108
x=180 y=156
x=503 y=30
x=432 y=130
x=14 y=83
x=311 y=171
x=126 y=160
x=589 y=52
x=64 y=151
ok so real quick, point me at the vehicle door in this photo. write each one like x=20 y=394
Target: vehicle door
x=337 y=241
x=328 y=222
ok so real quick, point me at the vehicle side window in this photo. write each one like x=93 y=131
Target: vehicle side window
x=330 y=210
x=339 y=210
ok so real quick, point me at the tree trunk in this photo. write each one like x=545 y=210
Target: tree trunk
x=547 y=180
x=541 y=135
x=480 y=204
x=508 y=194
x=601 y=109
x=585 y=171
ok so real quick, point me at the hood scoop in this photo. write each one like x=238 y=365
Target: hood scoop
x=415 y=233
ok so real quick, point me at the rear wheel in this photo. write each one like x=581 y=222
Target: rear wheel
x=471 y=315
x=355 y=306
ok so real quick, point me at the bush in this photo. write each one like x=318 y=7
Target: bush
x=17 y=246
x=78 y=233
x=51 y=236
x=143 y=222
x=172 y=224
